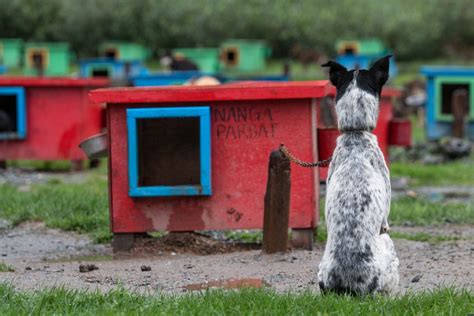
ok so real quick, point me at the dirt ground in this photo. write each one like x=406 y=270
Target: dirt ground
x=45 y=257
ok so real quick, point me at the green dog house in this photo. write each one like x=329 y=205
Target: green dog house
x=10 y=52
x=361 y=47
x=207 y=59
x=47 y=58
x=124 y=51
x=244 y=56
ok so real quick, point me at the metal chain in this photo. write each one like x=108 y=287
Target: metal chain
x=323 y=163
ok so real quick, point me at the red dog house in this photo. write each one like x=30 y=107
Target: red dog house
x=196 y=157
x=46 y=118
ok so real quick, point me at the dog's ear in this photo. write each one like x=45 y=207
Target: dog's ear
x=336 y=71
x=379 y=70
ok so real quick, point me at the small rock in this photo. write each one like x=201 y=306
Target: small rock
x=4 y=254
x=87 y=267
x=145 y=268
x=416 y=278
x=28 y=269
x=188 y=266
x=409 y=266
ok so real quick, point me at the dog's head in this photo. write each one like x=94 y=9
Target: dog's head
x=358 y=93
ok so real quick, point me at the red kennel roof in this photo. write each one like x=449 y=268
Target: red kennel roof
x=52 y=81
x=224 y=92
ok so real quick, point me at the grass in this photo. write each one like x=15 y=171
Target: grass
x=459 y=172
x=424 y=237
x=59 y=165
x=72 y=207
x=420 y=212
x=6 y=267
x=60 y=301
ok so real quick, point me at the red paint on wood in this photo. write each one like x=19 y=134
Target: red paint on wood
x=53 y=82
x=400 y=132
x=226 y=92
x=58 y=115
x=240 y=151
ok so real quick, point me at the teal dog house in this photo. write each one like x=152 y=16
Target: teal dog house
x=243 y=56
x=442 y=83
x=10 y=52
x=125 y=51
x=47 y=58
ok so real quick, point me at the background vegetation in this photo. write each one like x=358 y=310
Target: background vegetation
x=415 y=29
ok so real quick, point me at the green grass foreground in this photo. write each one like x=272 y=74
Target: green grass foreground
x=81 y=207
x=243 y=302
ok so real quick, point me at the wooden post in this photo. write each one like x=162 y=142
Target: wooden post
x=460 y=110
x=277 y=204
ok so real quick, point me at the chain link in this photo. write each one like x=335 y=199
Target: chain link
x=323 y=163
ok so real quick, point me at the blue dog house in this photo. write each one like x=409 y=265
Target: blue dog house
x=180 y=77
x=441 y=84
x=111 y=68
x=165 y=78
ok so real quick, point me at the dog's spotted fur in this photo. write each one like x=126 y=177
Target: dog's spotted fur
x=360 y=257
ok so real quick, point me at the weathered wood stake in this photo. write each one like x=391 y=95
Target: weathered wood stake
x=277 y=204
x=460 y=110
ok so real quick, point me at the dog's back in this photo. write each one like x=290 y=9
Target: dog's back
x=357 y=259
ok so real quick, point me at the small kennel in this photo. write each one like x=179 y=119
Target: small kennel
x=46 y=118
x=187 y=158
x=443 y=84
x=47 y=59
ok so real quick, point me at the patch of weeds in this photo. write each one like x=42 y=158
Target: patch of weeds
x=321 y=233
x=460 y=172
x=245 y=236
x=80 y=207
x=420 y=212
x=6 y=267
x=424 y=237
x=61 y=301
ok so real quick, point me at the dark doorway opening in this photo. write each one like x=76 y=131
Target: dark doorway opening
x=169 y=151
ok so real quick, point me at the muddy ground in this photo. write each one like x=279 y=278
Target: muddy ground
x=45 y=257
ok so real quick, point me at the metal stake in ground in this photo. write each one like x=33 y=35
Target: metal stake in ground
x=277 y=204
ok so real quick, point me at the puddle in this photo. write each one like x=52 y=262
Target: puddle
x=227 y=284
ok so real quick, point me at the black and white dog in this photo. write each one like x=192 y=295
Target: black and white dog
x=359 y=257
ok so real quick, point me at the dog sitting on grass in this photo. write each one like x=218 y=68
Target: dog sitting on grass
x=359 y=257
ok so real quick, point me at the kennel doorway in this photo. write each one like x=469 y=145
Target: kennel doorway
x=111 y=53
x=38 y=58
x=445 y=89
x=12 y=113
x=100 y=72
x=230 y=56
x=169 y=151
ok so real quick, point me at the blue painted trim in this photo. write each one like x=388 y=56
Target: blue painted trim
x=19 y=92
x=433 y=71
x=203 y=112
